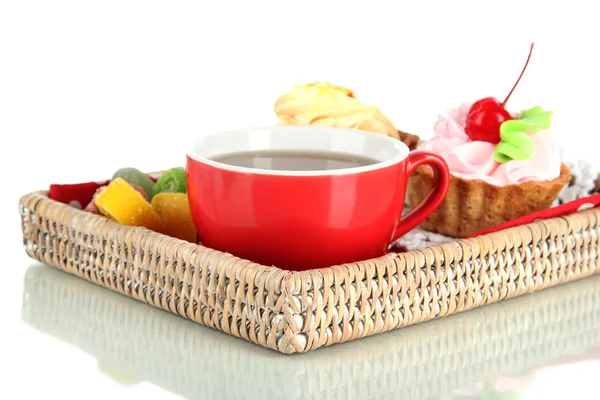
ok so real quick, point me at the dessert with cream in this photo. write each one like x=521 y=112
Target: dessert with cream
x=504 y=165
x=326 y=104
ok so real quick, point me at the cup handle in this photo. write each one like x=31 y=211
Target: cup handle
x=428 y=205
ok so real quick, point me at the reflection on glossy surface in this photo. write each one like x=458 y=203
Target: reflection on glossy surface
x=136 y=342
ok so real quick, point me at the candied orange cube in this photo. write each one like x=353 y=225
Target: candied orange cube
x=174 y=211
x=121 y=202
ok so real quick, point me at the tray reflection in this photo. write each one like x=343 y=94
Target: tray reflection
x=418 y=362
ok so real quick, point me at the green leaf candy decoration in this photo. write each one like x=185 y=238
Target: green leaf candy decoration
x=515 y=143
x=536 y=119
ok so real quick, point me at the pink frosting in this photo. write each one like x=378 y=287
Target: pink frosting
x=470 y=159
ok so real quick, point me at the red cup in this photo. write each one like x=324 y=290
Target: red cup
x=300 y=220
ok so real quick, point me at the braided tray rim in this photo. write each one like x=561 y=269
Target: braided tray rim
x=295 y=312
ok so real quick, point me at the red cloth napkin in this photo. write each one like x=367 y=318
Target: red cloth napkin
x=554 y=212
x=79 y=194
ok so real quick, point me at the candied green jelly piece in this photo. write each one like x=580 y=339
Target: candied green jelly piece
x=516 y=143
x=136 y=177
x=172 y=181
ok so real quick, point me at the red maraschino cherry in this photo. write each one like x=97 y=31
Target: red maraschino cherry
x=486 y=115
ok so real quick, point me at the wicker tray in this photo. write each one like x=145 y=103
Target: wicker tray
x=295 y=312
x=419 y=362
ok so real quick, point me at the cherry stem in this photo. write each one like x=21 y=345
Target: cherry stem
x=520 y=76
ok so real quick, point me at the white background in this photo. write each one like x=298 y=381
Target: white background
x=88 y=87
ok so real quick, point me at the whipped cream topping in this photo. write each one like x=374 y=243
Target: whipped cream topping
x=324 y=104
x=470 y=159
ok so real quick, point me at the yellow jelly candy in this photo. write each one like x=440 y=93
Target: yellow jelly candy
x=121 y=202
x=117 y=375
x=174 y=210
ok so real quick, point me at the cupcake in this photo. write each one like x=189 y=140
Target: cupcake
x=503 y=166
x=326 y=104
x=484 y=192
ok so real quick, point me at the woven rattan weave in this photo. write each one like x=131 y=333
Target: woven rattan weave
x=294 y=312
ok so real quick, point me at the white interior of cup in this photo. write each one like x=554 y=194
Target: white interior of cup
x=384 y=150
